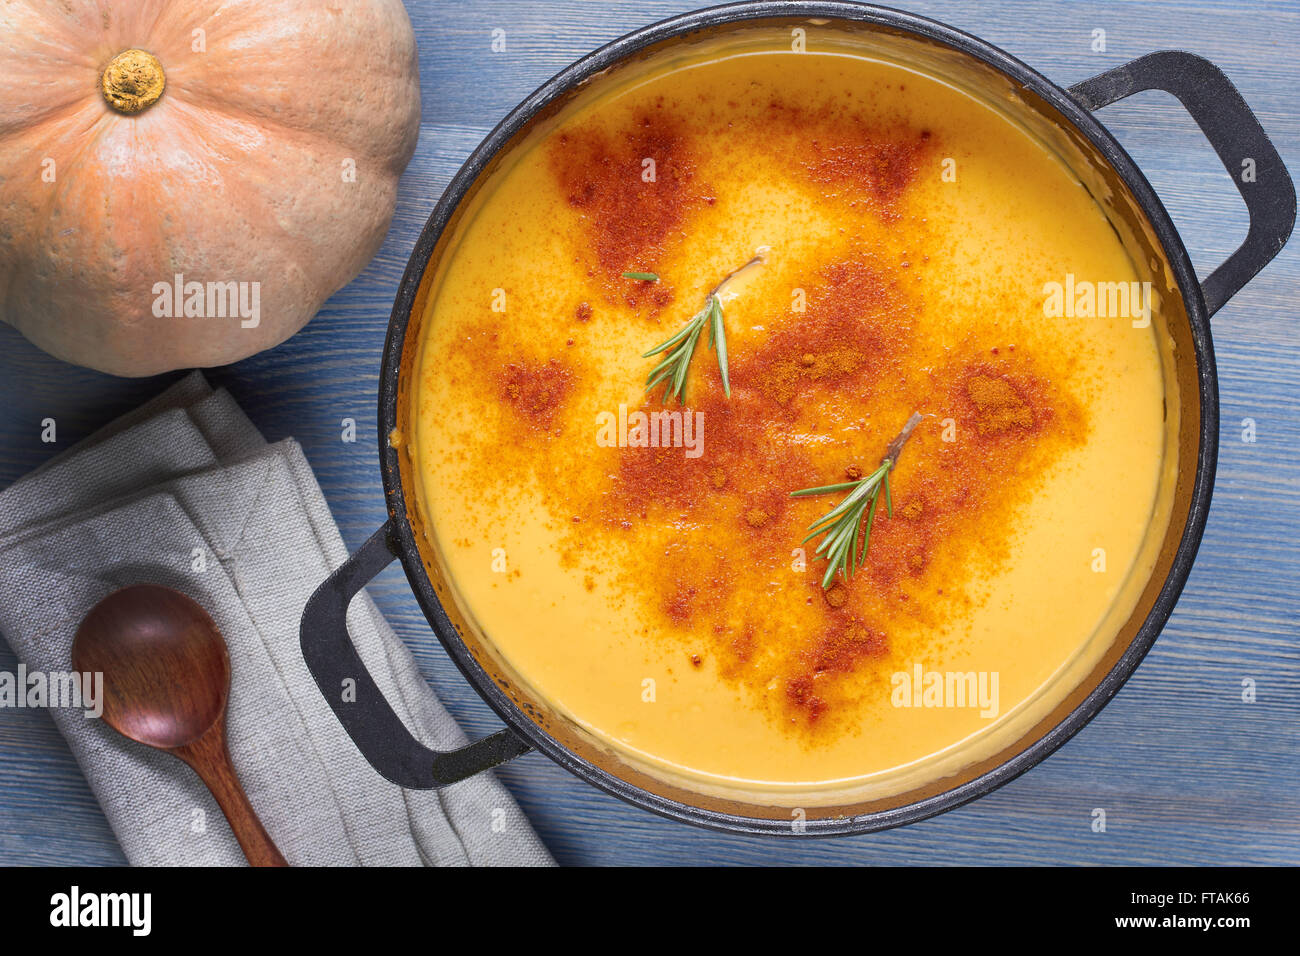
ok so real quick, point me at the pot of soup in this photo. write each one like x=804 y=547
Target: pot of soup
x=798 y=418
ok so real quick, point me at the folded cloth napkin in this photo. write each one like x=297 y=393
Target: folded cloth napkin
x=185 y=492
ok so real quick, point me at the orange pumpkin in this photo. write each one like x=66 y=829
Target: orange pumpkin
x=184 y=183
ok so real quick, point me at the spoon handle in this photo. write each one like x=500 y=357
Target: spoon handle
x=210 y=758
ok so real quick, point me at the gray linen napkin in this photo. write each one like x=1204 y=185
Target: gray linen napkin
x=185 y=492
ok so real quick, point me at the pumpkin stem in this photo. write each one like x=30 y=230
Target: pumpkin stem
x=133 y=81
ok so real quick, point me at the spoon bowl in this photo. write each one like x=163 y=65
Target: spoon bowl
x=142 y=639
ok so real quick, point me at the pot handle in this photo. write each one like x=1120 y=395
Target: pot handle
x=367 y=716
x=1236 y=136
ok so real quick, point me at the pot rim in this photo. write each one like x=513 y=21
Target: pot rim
x=1084 y=121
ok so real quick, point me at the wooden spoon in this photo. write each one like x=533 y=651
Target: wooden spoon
x=166 y=681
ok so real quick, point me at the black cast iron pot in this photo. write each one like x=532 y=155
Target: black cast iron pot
x=1231 y=129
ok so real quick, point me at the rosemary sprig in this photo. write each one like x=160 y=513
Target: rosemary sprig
x=847 y=536
x=643 y=276
x=674 y=367
x=671 y=372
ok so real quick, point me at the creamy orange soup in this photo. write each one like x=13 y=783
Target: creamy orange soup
x=660 y=597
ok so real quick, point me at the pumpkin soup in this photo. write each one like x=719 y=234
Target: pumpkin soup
x=835 y=273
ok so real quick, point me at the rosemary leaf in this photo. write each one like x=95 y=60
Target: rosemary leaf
x=718 y=339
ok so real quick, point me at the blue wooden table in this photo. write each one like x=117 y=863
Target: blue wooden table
x=1186 y=771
